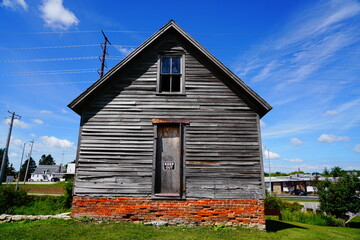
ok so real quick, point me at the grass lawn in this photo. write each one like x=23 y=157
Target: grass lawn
x=70 y=229
x=355 y=222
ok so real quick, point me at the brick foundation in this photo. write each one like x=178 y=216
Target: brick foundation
x=192 y=211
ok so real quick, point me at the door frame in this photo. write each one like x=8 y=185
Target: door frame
x=181 y=123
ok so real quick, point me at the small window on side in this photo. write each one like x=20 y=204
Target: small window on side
x=170 y=79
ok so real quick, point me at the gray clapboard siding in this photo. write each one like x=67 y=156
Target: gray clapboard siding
x=222 y=147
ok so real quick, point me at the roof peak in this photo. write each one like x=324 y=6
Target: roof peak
x=261 y=106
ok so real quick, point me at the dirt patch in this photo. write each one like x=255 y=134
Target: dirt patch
x=42 y=189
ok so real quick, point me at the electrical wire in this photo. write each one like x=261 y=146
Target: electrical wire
x=58 y=59
x=64 y=46
x=44 y=84
x=65 y=71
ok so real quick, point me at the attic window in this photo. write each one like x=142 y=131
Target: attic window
x=170 y=79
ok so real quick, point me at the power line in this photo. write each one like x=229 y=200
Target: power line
x=325 y=84
x=297 y=51
x=121 y=57
x=44 y=84
x=47 y=72
x=56 y=59
x=140 y=31
x=64 y=46
x=71 y=32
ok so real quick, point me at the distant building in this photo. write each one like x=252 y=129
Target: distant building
x=288 y=184
x=47 y=172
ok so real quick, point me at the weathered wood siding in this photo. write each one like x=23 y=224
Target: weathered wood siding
x=223 y=157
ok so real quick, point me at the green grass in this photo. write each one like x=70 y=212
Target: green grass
x=356 y=219
x=42 y=205
x=70 y=229
x=311 y=218
x=354 y=223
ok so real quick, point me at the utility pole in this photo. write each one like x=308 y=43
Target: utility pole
x=62 y=160
x=106 y=40
x=22 y=157
x=28 y=163
x=268 y=153
x=4 y=160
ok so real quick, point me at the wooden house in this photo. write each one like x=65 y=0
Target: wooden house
x=170 y=134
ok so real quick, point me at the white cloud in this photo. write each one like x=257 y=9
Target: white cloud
x=124 y=50
x=328 y=138
x=56 y=16
x=330 y=113
x=357 y=148
x=17 y=123
x=63 y=111
x=15 y=4
x=268 y=154
x=296 y=142
x=38 y=121
x=33 y=135
x=16 y=142
x=262 y=123
x=46 y=112
x=54 y=142
x=13 y=155
x=293 y=159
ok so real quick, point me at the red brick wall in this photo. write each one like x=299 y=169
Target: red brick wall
x=190 y=211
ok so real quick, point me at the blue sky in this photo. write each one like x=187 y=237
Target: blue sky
x=301 y=56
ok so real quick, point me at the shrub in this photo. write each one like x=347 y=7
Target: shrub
x=292 y=207
x=312 y=218
x=69 y=186
x=9 y=198
x=340 y=196
x=18 y=202
x=42 y=205
x=272 y=202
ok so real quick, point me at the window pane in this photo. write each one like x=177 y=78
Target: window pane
x=165 y=83
x=175 y=65
x=165 y=65
x=175 y=83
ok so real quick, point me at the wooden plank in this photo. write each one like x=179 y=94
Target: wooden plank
x=223 y=152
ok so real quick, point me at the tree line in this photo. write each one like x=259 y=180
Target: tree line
x=333 y=172
x=10 y=170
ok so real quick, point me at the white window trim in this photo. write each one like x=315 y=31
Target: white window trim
x=182 y=75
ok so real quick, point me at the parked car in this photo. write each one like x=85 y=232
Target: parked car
x=299 y=192
x=55 y=179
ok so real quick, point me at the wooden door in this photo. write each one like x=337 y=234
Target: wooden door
x=168 y=160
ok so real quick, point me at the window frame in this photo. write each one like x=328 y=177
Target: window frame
x=159 y=91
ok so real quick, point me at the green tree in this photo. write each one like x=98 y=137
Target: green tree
x=336 y=172
x=341 y=196
x=9 y=171
x=46 y=160
x=32 y=167
x=326 y=172
x=297 y=172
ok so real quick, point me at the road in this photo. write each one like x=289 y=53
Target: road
x=297 y=196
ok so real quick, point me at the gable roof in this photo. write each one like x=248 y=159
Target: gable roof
x=48 y=169
x=260 y=105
